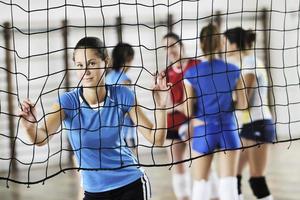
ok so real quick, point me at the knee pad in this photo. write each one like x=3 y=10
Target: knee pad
x=228 y=188
x=239 y=184
x=181 y=185
x=259 y=187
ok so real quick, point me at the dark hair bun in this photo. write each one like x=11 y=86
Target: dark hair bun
x=244 y=39
x=251 y=37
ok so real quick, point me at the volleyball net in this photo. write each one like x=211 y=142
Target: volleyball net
x=36 y=48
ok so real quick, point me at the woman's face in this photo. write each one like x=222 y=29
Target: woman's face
x=90 y=68
x=173 y=48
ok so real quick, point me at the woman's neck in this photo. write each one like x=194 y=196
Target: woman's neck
x=95 y=95
x=210 y=57
x=238 y=55
x=124 y=69
x=246 y=52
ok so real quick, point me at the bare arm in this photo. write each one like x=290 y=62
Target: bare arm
x=40 y=136
x=250 y=83
x=188 y=108
x=241 y=98
x=188 y=105
x=154 y=133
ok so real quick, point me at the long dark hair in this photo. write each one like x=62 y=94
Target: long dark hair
x=93 y=43
x=121 y=54
x=244 y=39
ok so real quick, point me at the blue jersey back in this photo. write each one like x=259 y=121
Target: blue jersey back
x=213 y=83
x=116 y=77
x=97 y=141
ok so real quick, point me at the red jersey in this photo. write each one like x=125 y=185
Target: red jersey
x=176 y=118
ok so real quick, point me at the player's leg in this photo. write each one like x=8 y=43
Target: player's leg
x=262 y=131
x=258 y=157
x=228 y=169
x=213 y=181
x=203 y=142
x=243 y=161
x=181 y=178
x=229 y=141
x=201 y=168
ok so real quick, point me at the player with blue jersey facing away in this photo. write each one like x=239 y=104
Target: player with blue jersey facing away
x=122 y=57
x=210 y=86
x=94 y=114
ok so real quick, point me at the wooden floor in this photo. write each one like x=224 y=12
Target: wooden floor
x=283 y=177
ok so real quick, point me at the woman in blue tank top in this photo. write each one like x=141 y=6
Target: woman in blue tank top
x=122 y=57
x=210 y=87
x=93 y=114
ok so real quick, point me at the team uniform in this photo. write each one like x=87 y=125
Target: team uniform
x=257 y=123
x=118 y=77
x=107 y=164
x=175 y=118
x=213 y=83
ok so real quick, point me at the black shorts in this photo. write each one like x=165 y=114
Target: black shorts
x=173 y=135
x=261 y=131
x=137 y=190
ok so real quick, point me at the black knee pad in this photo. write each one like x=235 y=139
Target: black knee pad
x=239 y=183
x=259 y=187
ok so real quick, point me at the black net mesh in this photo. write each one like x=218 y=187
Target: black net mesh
x=36 y=50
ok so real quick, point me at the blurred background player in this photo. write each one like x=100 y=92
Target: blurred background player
x=257 y=124
x=122 y=57
x=210 y=85
x=178 y=65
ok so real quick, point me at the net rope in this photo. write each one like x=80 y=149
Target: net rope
x=25 y=79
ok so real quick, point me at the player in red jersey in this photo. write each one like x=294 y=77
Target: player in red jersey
x=178 y=65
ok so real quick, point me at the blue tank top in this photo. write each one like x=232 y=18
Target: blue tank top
x=97 y=141
x=118 y=78
x=213 y=83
